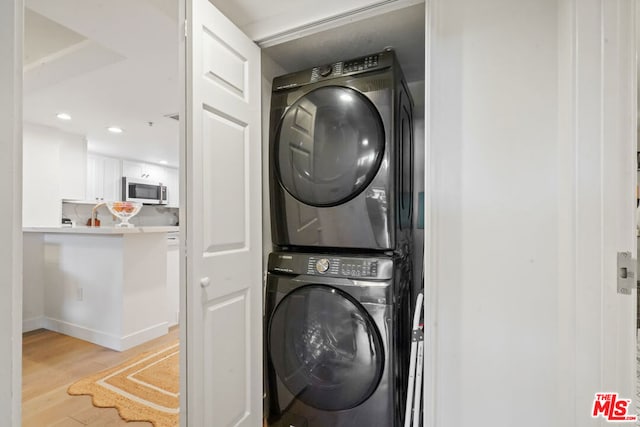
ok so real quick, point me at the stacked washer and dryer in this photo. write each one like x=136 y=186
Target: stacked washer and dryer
x=337 y=312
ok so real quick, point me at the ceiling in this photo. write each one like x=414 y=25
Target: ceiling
x=353 y=31
x=402 y=30
x=95 y=61
x=115 y=62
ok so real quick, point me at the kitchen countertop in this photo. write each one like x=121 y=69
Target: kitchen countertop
x=102 y=230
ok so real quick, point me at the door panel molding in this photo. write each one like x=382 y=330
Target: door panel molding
x=222 y=221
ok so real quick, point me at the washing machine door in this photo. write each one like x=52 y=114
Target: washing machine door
x=325 y=348
x=329 y=146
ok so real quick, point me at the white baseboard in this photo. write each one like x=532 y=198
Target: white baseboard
x=104 y=339
x=32 y=324
x=144 y=335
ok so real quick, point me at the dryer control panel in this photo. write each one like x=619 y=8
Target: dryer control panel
x=344 y=68
x=361 y=64
x=337 y=69
x=346 y=267
x=356 y=267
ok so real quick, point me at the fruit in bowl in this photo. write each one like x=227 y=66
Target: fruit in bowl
x=124 y=211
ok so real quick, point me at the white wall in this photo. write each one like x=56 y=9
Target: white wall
x=493 y=136
x=520 y=288
x=54 y=167
x=11 y=18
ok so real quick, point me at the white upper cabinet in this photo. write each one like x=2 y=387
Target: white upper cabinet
x=132 y=169
x=104 y=177
x=95 y=172
x=173 y=187
x=112 y=179
x=143 y=170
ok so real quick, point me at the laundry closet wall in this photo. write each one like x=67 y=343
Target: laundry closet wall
x=270 y=69
x=532 y=123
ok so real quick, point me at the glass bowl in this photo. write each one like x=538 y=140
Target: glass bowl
x=124 y=211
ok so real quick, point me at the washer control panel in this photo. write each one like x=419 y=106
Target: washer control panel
x=378 y=267
x=347 y=267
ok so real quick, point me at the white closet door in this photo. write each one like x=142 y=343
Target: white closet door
x=223 y=223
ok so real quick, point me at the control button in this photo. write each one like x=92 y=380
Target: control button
x=322 y=265
x=325 y=70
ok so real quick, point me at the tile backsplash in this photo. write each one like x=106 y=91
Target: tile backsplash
x=149 y=215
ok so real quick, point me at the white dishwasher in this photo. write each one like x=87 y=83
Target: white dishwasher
x=173 y=278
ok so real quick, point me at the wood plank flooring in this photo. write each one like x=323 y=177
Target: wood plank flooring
x=51 y=362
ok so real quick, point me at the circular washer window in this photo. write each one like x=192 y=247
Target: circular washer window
x=329 y=146
x=325 y=348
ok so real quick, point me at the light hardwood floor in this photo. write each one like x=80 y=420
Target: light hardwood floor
x=51 y=362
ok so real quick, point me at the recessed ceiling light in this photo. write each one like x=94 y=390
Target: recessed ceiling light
x=114 y=129
x=164 y=162
x=63 y=116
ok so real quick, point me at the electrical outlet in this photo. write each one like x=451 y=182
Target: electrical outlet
x=80 y=294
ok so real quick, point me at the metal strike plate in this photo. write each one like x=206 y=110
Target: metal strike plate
x=626 y=273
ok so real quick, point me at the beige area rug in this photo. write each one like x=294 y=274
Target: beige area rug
x=144 y=388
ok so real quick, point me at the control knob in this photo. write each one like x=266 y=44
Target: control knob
x=322 y=265
x=325 y=70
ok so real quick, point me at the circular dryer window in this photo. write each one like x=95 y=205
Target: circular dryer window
x=325 y=348
x=329 y=146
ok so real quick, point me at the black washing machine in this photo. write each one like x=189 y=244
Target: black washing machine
x=337 y=340
x=341 y=156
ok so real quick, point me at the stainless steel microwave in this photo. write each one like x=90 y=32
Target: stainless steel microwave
x=140 y=190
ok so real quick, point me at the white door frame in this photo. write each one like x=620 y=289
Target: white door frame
x=11 y=23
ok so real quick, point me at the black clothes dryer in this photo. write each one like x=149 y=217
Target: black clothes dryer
x=341 y=156
x=337 y=340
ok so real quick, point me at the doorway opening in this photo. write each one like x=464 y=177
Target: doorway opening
x=101 y=95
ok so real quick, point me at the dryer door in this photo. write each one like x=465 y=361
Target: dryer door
x=329 y=146
x=325 y=348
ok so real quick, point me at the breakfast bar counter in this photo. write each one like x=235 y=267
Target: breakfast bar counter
x=105 y=285
x=101 y=230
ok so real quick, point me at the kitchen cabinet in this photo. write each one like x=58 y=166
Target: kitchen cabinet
x=143 y=170
x=173 y=279
x=173 y=187
x=104 y=178
x=157 y=174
